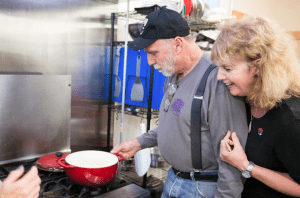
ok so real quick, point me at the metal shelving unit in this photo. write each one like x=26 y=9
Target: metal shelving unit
x=149 y=111
x=195 y=24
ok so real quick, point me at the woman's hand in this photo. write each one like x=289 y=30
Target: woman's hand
x=237 y=156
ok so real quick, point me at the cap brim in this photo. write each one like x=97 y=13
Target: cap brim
x=140 y=43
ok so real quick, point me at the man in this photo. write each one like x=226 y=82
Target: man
x=171 y=49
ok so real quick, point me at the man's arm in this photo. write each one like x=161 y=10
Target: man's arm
x=149 y=139
x=227 y=113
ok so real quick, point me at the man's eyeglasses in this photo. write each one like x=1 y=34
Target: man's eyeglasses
x=171 y=93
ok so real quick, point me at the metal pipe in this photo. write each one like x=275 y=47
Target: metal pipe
x=124 y=79
x=110 y=81
x=124 y=72
x=149 y=113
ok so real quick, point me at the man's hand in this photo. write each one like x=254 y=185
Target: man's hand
x=26 y=187
x=127 y=149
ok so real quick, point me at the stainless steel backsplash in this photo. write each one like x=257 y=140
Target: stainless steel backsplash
x=57 y=41
x=35 y=114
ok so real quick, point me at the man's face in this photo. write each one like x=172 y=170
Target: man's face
x=161 y=57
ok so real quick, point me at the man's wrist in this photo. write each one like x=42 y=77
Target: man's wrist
x=136 y=144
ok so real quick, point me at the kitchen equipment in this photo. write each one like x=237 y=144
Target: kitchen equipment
x=91 y=168
x=156 y=159
x=57 y=184
x=49 y=162
x=188 y=7
x=203 y=44
x=209 y=35
x=117 y=79
x=142 y=157
x=180 y=6
x=137 y=91
x=194 y=6
x=135 y=30
x=132 y=110
x=124 y=72
x=200 y=37
x=204 y=11
x=127 y=165
x=197 y=10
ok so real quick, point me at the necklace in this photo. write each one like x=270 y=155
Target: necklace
x=258 y=114
x=250 y=124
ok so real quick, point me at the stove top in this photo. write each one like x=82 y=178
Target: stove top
x=57 y=185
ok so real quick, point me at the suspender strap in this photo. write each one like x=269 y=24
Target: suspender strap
x=196 y=121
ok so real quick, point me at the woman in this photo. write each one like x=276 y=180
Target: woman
x=259 y=61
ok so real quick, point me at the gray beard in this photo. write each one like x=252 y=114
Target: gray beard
x=168 y=66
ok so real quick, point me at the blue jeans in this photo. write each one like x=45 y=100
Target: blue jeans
x=186 y=188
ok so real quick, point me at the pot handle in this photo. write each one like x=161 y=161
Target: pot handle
x=63 y=164
x=121 y=158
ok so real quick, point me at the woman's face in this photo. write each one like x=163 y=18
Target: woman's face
x=236 y=76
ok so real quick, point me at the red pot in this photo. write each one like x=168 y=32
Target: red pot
x=91 y=168
x=49 y=162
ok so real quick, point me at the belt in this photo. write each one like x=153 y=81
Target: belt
x=197 y=176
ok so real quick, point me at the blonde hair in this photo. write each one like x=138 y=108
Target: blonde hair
x=256 y=38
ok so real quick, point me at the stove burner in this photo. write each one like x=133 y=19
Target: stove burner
x=84 y=192
x=91 y=192
x=49 y=186
x=65 y=188
x=2 y=175
x=57 y=184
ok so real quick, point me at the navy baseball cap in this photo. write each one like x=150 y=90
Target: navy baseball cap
x=160 y=24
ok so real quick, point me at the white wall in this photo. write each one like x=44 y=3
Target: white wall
x=286 y=13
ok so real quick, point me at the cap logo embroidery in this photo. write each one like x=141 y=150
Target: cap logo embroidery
x=144 y=24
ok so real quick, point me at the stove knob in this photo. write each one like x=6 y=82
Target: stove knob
x=58 y=154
